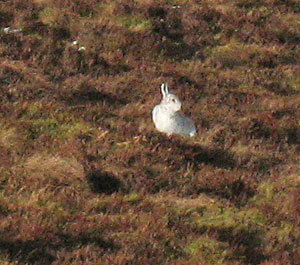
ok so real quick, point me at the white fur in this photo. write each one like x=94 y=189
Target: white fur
x=168 y=119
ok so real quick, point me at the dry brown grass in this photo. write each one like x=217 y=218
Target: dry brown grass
x=84 y=176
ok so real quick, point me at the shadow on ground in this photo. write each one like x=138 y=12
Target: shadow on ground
x=102 y=182
x=42 y=251
x=87 y=95
x=195 y=154
x=246 y=244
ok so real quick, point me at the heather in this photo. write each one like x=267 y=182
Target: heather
x=84 y=176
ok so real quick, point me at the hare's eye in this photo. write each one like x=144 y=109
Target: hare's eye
x=173 y=100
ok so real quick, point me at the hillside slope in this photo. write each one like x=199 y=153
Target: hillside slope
x=85 y=177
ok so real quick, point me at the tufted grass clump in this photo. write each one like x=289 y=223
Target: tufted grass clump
x=211 y=251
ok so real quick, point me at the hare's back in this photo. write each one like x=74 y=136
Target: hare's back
x=160 y=117
x=156 y=113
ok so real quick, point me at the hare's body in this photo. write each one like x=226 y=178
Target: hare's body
x=168 y=119
x=171 y=123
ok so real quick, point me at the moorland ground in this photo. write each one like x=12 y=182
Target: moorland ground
x=84 y=176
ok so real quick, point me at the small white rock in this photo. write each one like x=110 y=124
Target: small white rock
x=16 y=30
x=8 y=30
x=82 y=48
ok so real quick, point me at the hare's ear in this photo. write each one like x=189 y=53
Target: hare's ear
x=164 y=90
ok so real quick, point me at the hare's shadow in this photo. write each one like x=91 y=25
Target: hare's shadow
x=244 y=242
x=195 y=153
x=213 y=156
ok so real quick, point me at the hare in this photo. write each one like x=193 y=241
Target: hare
x=168 y=119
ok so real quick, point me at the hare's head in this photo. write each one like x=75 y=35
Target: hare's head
x=170 y=100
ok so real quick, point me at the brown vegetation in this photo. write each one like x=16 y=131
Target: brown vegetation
x=84 y=176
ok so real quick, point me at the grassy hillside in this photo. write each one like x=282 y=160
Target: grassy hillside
x=84 y=176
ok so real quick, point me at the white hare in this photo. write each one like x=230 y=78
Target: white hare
x=168 y=119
